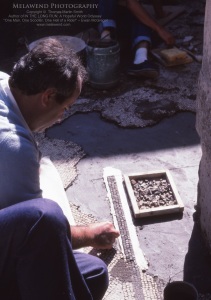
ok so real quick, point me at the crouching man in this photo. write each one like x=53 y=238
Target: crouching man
x=37 y=260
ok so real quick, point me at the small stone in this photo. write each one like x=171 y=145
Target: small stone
x=133 y=182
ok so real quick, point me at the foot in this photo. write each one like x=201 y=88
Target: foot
x=146 y=69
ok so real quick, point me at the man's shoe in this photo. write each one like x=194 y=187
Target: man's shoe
x=146 y=69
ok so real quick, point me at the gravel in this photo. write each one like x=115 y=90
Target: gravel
x=153 y=192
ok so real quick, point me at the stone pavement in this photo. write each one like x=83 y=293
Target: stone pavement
x=172 y=244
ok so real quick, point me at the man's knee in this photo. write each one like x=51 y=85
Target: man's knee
x=49 y=214
x=95 y=273
x=99 y=280
x=102 y=270
x=35 y=214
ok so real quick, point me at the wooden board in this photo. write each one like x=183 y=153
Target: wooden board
x=176 y=208
x=156 y=54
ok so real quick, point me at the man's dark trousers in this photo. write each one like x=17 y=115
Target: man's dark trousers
x=37 y=260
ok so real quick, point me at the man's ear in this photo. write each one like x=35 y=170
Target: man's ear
x=48 y=97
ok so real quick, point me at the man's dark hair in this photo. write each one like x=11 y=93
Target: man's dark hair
x=50 y=64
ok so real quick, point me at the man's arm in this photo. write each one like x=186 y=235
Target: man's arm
x=142 y=15
x=98 y=235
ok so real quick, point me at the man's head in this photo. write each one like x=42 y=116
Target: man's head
x=48 y=65
x=50 y=77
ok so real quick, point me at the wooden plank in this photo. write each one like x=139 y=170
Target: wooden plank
x=158 y=211
x=174 y=189
x=133 y=201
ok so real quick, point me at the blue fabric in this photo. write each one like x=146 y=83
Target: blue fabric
x=19 y=155
x=37 y=260
x=108 y=9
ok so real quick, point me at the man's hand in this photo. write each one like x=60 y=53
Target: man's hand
x=166 y=36
x=102 y=235
x=98 y=235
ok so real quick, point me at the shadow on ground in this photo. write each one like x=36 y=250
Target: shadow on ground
x=197 y=265
x=102 y=138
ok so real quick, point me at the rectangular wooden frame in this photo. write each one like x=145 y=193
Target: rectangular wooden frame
x=176 y=208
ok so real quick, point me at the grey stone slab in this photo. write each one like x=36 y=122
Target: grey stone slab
x=172 y=245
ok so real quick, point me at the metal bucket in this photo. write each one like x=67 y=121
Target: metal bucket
x=180 y=290
x=103 y=58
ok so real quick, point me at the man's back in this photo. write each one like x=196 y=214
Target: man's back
x=19 y=156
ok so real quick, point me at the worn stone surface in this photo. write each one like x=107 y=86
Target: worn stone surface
x=137 y=102
x=141 y=103
x=64 y=154
x=172 y=244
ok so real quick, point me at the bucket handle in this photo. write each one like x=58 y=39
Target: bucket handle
x=100 y=39
x=104 y=36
